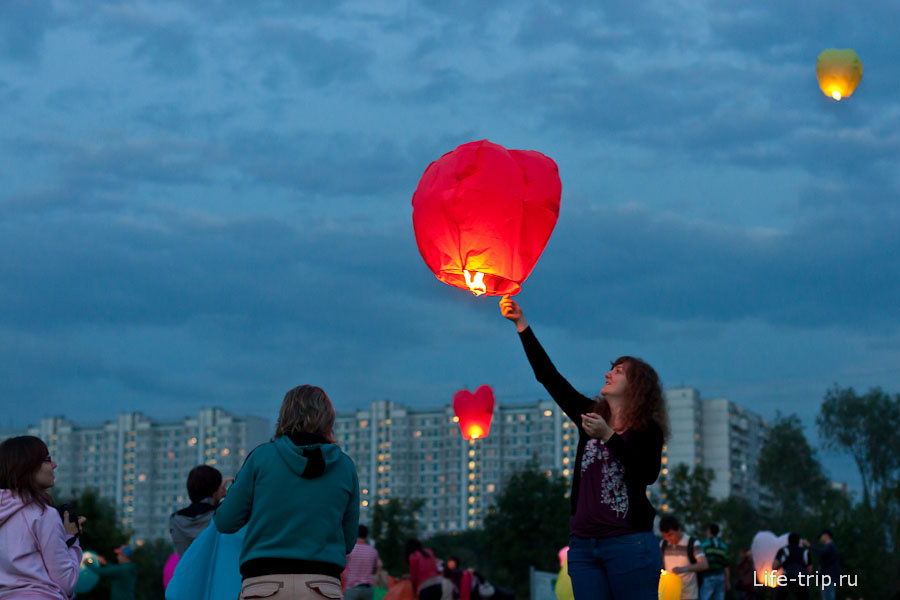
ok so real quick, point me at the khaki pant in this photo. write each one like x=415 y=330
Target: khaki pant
x=292 y=587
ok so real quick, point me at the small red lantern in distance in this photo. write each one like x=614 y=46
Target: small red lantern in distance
x=483 y=215
x=474 y=411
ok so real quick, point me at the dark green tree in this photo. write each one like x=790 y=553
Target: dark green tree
x=867 y=428
x=790 y=469
x=738 y=521
x=393 y=523
x=150 y=559
x=467 y=546
x=527 y=526
x=686 y=495
x=101 y=533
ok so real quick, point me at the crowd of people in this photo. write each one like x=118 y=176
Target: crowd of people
x=296 y=499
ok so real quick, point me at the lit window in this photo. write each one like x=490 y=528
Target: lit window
x=456 y=419
x=192 y=441
x=548 y=413
x=142 y=477
x=225 y=451
x=365 y=502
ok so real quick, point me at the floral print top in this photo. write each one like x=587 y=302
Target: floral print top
x=603 y=494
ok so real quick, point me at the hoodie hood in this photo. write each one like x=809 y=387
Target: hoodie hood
x=307 y=455
x=10 y=504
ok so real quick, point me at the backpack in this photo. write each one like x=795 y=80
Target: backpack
x=692 y=558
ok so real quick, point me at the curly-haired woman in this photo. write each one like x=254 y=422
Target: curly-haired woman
x=612 y=550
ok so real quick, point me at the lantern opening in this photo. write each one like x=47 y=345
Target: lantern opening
x=836 y=95
x=475 y=432
x=476 y=284
x=492 y=285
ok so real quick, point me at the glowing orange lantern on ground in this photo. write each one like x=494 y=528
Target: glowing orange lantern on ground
x=474 y=411
x=839 y=72
x=669 y=586
x=483 y=214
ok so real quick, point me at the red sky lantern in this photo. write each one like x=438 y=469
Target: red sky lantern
x=483 y=214
x=474 y=412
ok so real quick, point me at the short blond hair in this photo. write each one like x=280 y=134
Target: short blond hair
x=306 y=409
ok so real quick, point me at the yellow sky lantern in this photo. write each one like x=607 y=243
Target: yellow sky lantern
x=838 y=72
x=669 y=586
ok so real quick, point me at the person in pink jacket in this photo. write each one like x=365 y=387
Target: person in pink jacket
x=39 y=553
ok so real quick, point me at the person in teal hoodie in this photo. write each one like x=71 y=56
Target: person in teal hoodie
x=298 y=497
x=123 y=576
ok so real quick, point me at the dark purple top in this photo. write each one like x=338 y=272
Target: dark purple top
x=602 y=509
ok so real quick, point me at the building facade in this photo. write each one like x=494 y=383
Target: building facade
x=715 y=434
x=400 y=452
x=142 y=465
x=420 y=454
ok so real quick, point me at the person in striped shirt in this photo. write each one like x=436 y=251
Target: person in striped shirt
x=362 y=564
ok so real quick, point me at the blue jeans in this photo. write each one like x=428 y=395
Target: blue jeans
x=713 y=587
x=625 y=567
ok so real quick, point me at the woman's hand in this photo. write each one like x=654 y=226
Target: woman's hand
x=596 y=426
x=510 y=309
x=72 y=528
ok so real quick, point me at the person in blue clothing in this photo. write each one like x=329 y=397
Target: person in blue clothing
x=613 y=553
x=298 y=497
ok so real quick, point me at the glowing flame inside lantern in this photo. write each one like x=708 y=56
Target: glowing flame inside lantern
x=476 y=284
x=475 y=432
x=836 y=95
x=769 y=578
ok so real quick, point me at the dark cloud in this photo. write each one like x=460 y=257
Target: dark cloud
x=335 y=164
x=838 y=268
x=612 y=28
x=73 y=271
x=282 y=48
x=126 y=164
x=168 y=49
x=173 y=118
x=23 y=25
